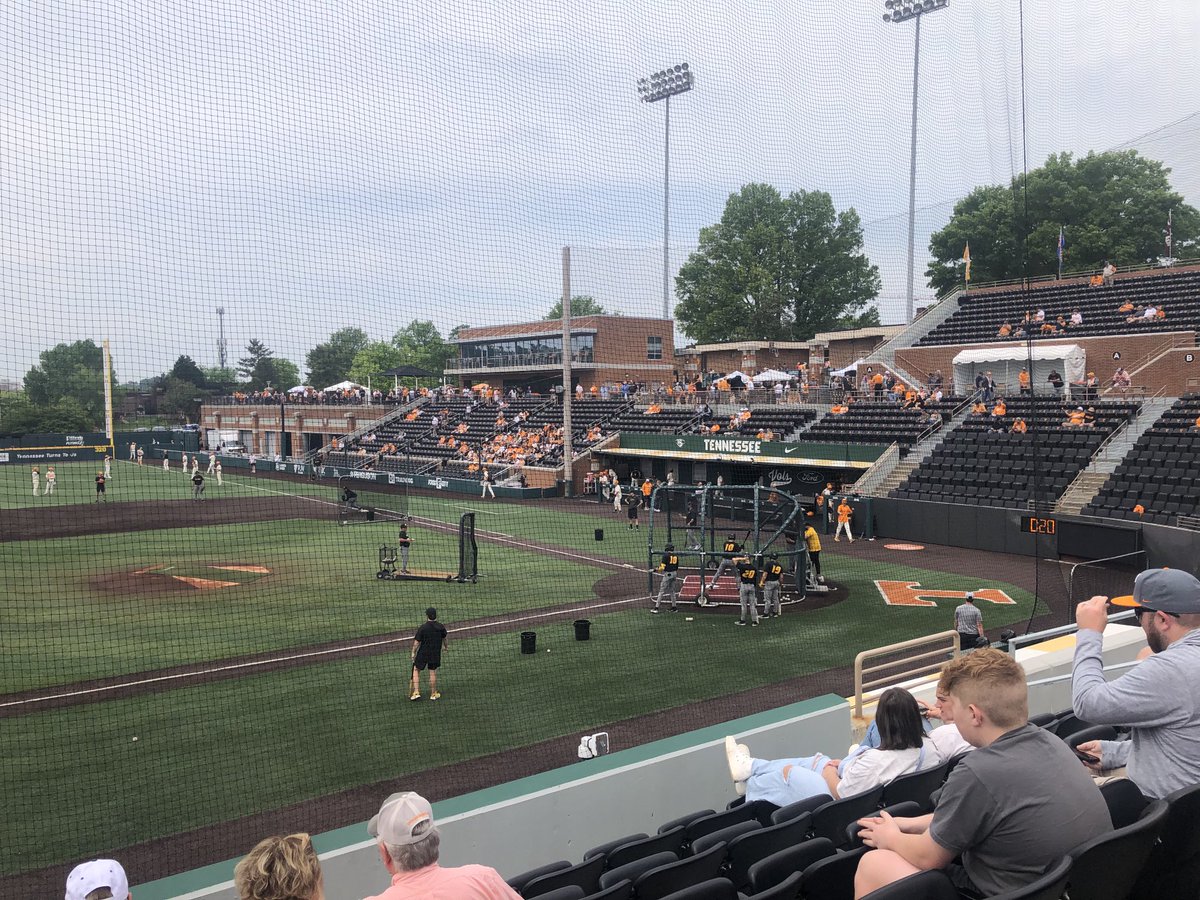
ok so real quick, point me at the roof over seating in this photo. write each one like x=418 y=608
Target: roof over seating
x=1016 y=354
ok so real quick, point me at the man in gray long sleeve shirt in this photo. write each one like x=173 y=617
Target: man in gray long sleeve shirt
x=1158 y=698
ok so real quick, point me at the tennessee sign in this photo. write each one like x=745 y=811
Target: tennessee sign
x=910 y=593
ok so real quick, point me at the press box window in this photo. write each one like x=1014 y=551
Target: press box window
x=654 y=348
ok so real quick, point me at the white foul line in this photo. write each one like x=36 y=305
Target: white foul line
x=232 y=667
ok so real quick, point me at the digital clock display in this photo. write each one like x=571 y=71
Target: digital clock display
x=1038 y=525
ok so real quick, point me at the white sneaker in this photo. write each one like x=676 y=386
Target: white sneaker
x=740 y=762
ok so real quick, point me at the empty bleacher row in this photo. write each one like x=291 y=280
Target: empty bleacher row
x=979 y=317
x=976 y=462
x=811 y=849
x=1160 y=473
x=880 y=422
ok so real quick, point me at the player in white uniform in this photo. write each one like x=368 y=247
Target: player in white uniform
x=195 y=463
x=212 y=464
x=107 y=466
x=166 y=462
x=37 y=480
x=218 y=473
x=50 y=479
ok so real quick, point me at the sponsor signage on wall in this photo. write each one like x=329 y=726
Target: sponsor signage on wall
x=736 y=448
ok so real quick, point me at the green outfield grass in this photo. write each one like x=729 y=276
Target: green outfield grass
x=76 y=484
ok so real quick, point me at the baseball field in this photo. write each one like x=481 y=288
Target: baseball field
x=179 y=677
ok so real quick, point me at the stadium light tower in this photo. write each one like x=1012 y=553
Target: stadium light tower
x=664 y=85
x=900 y=11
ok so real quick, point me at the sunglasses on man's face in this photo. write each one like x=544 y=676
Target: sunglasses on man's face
x=1142 y=611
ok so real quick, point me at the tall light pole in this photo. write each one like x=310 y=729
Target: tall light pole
x=664 y=85
x=903 y=11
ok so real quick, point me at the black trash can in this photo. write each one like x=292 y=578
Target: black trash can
x=528 y=641
x=599 y=534
x=583 y=630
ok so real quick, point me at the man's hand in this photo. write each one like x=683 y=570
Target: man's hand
x=1094 y=749
x=880 y=831
x=1092 y=615
x=930 y=711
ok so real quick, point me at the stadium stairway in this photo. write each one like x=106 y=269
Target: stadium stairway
x=935 y=315
x=1107 y=458
x=917 y=454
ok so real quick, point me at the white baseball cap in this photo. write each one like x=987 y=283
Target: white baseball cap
x=399 y=816
x=95 y=874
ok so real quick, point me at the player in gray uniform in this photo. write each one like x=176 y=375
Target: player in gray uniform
x=747 y=594
x=772 y=585
x=731 y=549
x=669 y=567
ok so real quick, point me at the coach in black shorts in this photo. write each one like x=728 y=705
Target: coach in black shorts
x=428 y=643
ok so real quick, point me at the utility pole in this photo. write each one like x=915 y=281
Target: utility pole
x=222 y=356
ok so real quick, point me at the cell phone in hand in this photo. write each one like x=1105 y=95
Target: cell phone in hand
x=1086 y=757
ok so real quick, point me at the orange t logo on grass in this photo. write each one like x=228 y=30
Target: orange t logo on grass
x=910 y=593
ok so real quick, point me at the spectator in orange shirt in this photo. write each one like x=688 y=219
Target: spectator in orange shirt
x=652 y=410
x=1000 y=409
x=1019 y=426
x=1139 y=509
x=1005 y=330
x=1076 y=417
x=839 y=409
x=1049 y=328
x=1126 y=307
x=877 y=385
x=1196 y=424
x=979 y=408
x=1023 y=381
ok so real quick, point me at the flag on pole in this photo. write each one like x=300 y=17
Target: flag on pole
x=967 y=260
x=1169 y=212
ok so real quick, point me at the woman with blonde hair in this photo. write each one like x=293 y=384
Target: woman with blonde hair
x=280 y=868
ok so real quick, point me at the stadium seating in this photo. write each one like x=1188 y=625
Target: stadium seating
x=975 y=463
x=1160 y=472
x=880 y=422
x=979 y=316
x=672 y=420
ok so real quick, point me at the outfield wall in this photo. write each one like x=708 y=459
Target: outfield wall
x=30 y=449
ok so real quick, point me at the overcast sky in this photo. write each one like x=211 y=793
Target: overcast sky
x=310 y=165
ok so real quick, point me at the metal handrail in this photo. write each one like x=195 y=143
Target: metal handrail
x=949 y=638
x=1023 y=640
x=1084 y=273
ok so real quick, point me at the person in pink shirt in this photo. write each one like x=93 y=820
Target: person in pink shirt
x=409 y=844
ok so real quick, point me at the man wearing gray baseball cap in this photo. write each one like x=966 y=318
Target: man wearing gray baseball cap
x=1158 y=697
x=409 y=844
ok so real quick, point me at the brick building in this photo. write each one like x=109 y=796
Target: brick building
x=750 y=357
x=604 y=350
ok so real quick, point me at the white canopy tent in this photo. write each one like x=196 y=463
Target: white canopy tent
x=1006 y=363
x=770 y=376
x=853 y=367
x=344 y=386
x=298 y=389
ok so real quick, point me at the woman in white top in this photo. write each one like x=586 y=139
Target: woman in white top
x=903 y=748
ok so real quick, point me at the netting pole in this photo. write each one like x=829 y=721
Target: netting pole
x=108 y=415
x=567 y=396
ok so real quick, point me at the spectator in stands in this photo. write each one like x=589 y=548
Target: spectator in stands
x=1075 y=418
x=877 y=385
x=1011 y=810
x=1039 y=316
x=97 y=879
x=1108 y=272
x=1121 y=381
x=1157 y=697
x=945 y=737
x=409 y=845
x=1196 y=424
x=1139 y=510
x=1000 y=409
x=1126 y=307
x=903 y=748
x=280 y=868
x=1048 y=328
x=1019 y=332
x=1055 y=380
x=1019 y=426
x=979 y=408
x=1076 y=318
x=1024 y=383
x=1062 y=323
x=839 y=409
x=1005 y=330
x=989 y=387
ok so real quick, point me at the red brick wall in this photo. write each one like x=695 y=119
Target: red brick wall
x=844 y=352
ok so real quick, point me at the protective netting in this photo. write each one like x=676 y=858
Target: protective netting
x=256 y=202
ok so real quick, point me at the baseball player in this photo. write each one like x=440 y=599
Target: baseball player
x=844 y=512
x=772 y=585
x=747 y=595
x=100 y=481
x=183 y=461
x=132 y=451
x=107 y=466
x=487 y=486
x=731 y=550
x=404 y=542
x=197 y=482
x=812 y=541
x=616 y=495
x=218 y=473
x=166 y=462
x=212 y=463
x=691 y=525
x=669 y=567
x=36 y=475
x=50 y=479
x=195 y=464
x=141 y=456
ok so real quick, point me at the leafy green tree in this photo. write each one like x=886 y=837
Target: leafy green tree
x=274 y=372
x=457 y=330
x=329 y=362
x=420 y=344
x=222 y=381
x=19 y=416
x=69 y=371
x=1113 y=206
x=185 y=369
x=256 y=352
x=180 y=397
x=775 y=268
x=372 y=361
x=581 y=305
